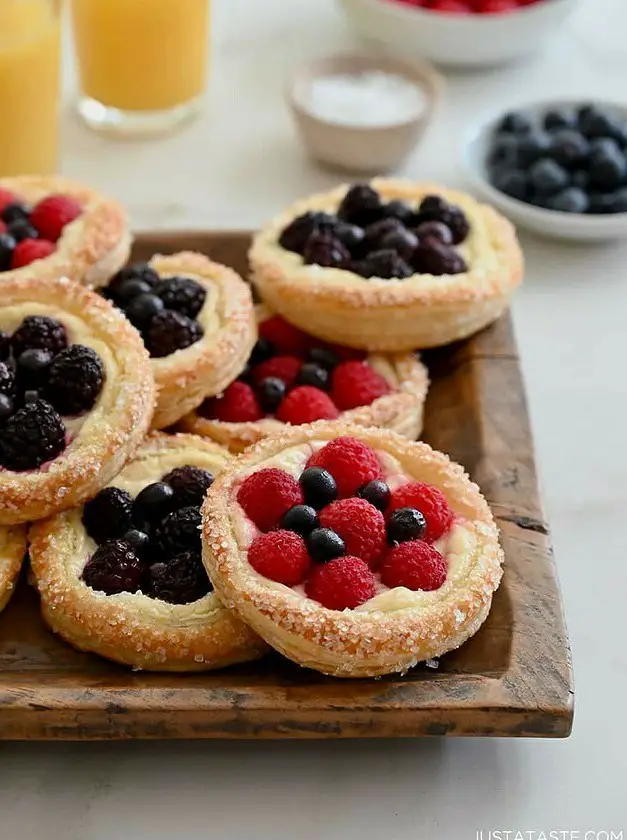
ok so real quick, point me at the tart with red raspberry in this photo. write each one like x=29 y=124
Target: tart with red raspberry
x=54 y=227
x=122 y=576
x=76 y=395
x=198 y=324
x=293 y=378
x=352 y=551
x=390 y=265
x=12 y=551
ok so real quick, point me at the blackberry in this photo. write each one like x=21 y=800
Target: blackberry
x=33 y=367
x=32 y=436
x=171 y=331
x=39 y=332
x=182 y=580
x=325 y=249
x=113 y=568
x=108 y=515
x=5 y=346
x=387 y=264
x=294 y=237
x=76 y=379
x=360 y=206
x=182 y=294
x=179 y=531
x=190 y=485
x=7 y=407
x=406 y=524
x=324 y=545
x=136 y=271
x=7 y=378
x=435 y=258
x=22 y=229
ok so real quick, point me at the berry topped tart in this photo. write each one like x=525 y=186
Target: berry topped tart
x=352 y=551
x=52 y=227
x=76 y=395
x=292 y=378
x=198 y=323
x=123 y=576
x=12 y=551
x=390 y=265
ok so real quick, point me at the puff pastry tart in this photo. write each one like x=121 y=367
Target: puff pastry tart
x=352 y=551
x=123 y=576
x=390 y=265
x=198 y=323
x=12 y=551
x=294 y=378
x=76 y=395
x=52 y=227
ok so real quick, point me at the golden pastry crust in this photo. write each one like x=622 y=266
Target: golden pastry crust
x=185 y=378
x=391 y=315
x=394 y=630
x=92 y=248
x=401 y=410
x=101 y=440
x=12 y=551
x=132 y=628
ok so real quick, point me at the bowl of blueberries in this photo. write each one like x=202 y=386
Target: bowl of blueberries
x=557 y=168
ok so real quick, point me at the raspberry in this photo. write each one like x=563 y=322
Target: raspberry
x=108 y=515
x=267 y=495
x=454 y=6
x=350 y=462
x=415 y=565
x=490 y=7
x=32 y=436
x=29 y=250
x=182 y=294
x=52 y=214
x=7 y=198
x=170 y=331
x=360 y=525
x=190 y=485
x=3 y=227
x=430 y=501
x=75 y=380
x=341 y=584
x=38 y=332
x=113 y=568
x=286 y=339
x=238 y=404
x=285 y=368
x=179 y=532
x=280 y=556
x=182 y=580
x=355 y=384
x=306 y=404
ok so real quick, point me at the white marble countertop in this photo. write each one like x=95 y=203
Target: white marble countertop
x=233 y=168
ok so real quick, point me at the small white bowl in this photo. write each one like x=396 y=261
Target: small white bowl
x=553 y=224
x=457 y=40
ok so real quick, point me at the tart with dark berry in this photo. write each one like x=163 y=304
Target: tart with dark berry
x=293 y=378
x=76 y=395
x=390 y=265
x=352 y=551
x=123 y=577
x=198 y=324
x=12 y=551
x=54 y=227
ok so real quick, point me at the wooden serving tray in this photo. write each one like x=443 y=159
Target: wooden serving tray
x=512 y=679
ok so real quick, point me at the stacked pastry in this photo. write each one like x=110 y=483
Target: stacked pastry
x=287 y=503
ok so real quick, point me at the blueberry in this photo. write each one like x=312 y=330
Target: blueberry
x=607 y=170
x=406 y=524
x=153 y=503
x=6 y=407
x=262 y=350
x=532 y=147
x=32 y=367
x=302 y=519
x=397 y=210
x=504 y=151
x=559 y=118
x=138 y=540
x=605 y=145
x=318 y=486
x=546 y=176
x=581 y=179
x=376 y=492
x=324 y=544
x=142 y=309
x=131 y=289
x=594 y=122
x=511 y=182
x=516 y=122
x=601 y=203
x=22 y=229
x=314 y=375
x=435 y=230
x=619 y=199
x=13 y=212
x=570 y=200
x=349 y=235
x=570 y=148
x=270 y=392
x=323 y=356
x=403 y=241
x=7 y=246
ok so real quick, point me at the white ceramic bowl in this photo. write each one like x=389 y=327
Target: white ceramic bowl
x=554 y=224
x=457 y=40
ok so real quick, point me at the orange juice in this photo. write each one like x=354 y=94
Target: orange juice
x=29 y=86
x=141 y=55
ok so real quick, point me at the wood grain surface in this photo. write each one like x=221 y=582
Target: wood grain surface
x=513 y=678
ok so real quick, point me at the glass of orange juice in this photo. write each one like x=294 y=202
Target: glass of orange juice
x=142 y=63
x=29 y=86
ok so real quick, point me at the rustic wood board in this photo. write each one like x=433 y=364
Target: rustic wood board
x=512 y=679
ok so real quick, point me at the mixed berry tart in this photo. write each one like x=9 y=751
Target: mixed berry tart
x=293 y=378
x=390 y=265
x=123 y=577
x=198 y=323
x=12 y=551
x=352 y=551
x=76 y=395
x=54 y=227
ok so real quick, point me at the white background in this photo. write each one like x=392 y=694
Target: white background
x=234 y=167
